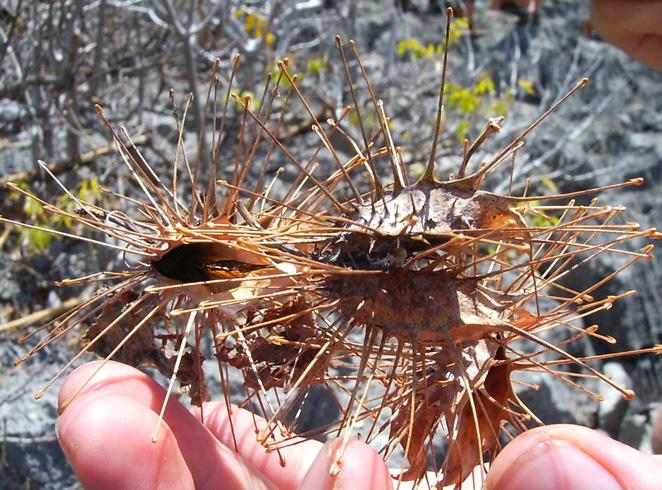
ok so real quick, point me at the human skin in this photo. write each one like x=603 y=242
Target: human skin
x=635 y=26
x=106 y=430
x=568 y=457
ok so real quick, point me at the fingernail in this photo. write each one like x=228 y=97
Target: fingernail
x=557 y=464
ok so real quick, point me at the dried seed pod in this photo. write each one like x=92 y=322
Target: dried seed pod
x=409 y=303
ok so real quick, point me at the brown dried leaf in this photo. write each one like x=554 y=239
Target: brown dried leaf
x=440 y=210
x=284 y=355
x=144 y=348
x=465 y=451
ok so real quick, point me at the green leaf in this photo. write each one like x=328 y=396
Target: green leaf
x=463 y=100
x=416 y=169
x=549 y=183
x=33 y=208
x=253 y=102
x=498 y=108
x=37 y=241
x=527 y=86
x=462 y=130
x=316 y=65
x=458 y=28
x=484 y=85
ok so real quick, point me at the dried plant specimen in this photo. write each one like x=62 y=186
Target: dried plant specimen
x=423 y=292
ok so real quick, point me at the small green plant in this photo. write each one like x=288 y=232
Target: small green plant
x=255 y=26
x=315 y=66
x=253 y=104
x=416 y=49
x=535 y=216
x=289 y=65
x=37 y=241
x=472 y=103
x=527 y=86
x=476 y=103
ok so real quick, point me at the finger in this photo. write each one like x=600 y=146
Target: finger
x=568 y=457
x=656 y=434
x=107 y=441
x=646 y=48
x=285 y=467
x=633 y=27
x=357 y=466
x=208 y=461
x=636 y=17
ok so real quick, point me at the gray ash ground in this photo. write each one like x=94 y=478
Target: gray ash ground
x=610 y=132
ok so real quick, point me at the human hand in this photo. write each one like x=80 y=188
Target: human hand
x=633 y=26
x=569 y=457
x=106 y=435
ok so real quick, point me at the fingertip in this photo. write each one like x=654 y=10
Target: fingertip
x=553 y=464
x=73 y=383
x=108 y=442
x=206 y=459
x=99 y=375
x=633 y=27
x=355 y=465
x=571 y=457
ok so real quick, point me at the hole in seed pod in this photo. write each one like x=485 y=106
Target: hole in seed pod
x=185 y=263
x=197 y=262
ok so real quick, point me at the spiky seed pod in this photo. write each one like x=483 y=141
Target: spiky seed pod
x=425 y=291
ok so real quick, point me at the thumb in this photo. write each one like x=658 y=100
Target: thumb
x=568 y=457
